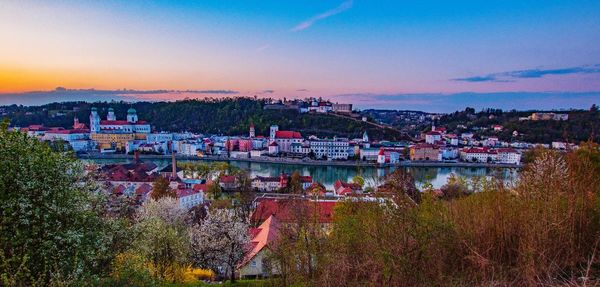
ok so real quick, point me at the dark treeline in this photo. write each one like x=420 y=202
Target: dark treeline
x=581 y=126
x=230 y=116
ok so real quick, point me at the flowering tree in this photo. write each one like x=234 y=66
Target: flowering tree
x=221 y=242
x=162 y=237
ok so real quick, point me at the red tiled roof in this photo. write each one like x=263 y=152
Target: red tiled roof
x=64 y=132
x=285 y=210
x=506 y=150
x=227 y=179
x=143 y=189
x=288 y=135
x=121 y=122
x=185 y=192
x=261 y=237
x=200 y=187
x=273 y=144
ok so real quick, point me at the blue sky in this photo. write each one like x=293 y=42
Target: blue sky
x=324 y=48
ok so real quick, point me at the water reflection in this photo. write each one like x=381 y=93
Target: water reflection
x=327 y=175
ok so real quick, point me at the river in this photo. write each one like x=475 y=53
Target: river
x=327 y=175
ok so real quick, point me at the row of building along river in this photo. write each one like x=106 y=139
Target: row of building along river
x=327 y=175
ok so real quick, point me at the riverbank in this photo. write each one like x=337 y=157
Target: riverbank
x=290 y=161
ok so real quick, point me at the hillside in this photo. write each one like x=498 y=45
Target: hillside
x=229 y=116
x=582 y=125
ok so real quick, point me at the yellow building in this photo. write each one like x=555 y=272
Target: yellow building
x=117 y=141
x=427 y=152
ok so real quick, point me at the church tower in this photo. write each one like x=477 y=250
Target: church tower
x=252 y=131
x=94 y=121
x=132 y=116
x=111 y=115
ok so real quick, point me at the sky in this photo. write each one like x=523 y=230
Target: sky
x=421 y=54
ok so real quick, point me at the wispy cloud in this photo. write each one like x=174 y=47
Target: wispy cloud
x=302 y=90
x=339 y=9
x=262 y=48
x=511 y=76
x=63 y=94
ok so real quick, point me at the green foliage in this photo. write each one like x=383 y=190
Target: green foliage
x=50 y=225
x=223 y=116
x=581 y=126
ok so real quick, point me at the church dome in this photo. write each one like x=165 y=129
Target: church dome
x=131 y=111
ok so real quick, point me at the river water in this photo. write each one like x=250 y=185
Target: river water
x=327 y=175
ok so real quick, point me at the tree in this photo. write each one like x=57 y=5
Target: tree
x=400 y=182
x=214 y=189
x=162 y=238
x=50 y=224
x=161 y=189
x=357 y=179
x=220 y=243
x=295 y=184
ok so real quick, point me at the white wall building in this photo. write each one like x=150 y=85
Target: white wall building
x=330 y=148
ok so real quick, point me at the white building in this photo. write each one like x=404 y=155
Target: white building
x=330 y=148
x=508 y=155
x=483 y=155
x=266 y=184
x=131 y=125
x=433 y=137
x=285 y=139
x=189 y=198
x=159 y=137
x=369 y=154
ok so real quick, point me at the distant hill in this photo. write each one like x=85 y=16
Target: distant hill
x=582 y=125
x=230 y=116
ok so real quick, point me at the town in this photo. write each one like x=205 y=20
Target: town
x=108 y=135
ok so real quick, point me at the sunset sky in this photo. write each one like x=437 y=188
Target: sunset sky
x=427 y=55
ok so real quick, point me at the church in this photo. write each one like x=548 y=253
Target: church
x=112 y=125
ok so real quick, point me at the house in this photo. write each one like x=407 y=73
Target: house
x=290 y=211
x=342 y=108
x=369 y=154
x=285 y=139
x=341 y=188
x=266 y=184
x=228 y=182
x=189 y=198
x=272 y=184
x=273 y=148
x=497 y=128
x=433 y=137
x=258 y=153
x=428 y=152
x=256 y=263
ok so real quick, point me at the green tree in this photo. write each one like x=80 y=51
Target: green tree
x=51 y=230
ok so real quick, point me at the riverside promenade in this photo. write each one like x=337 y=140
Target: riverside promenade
x=308 y=162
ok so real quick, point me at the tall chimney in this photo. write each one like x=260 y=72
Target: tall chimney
x=174 y=164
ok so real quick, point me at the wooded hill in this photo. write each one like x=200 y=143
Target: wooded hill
x=229 y=116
